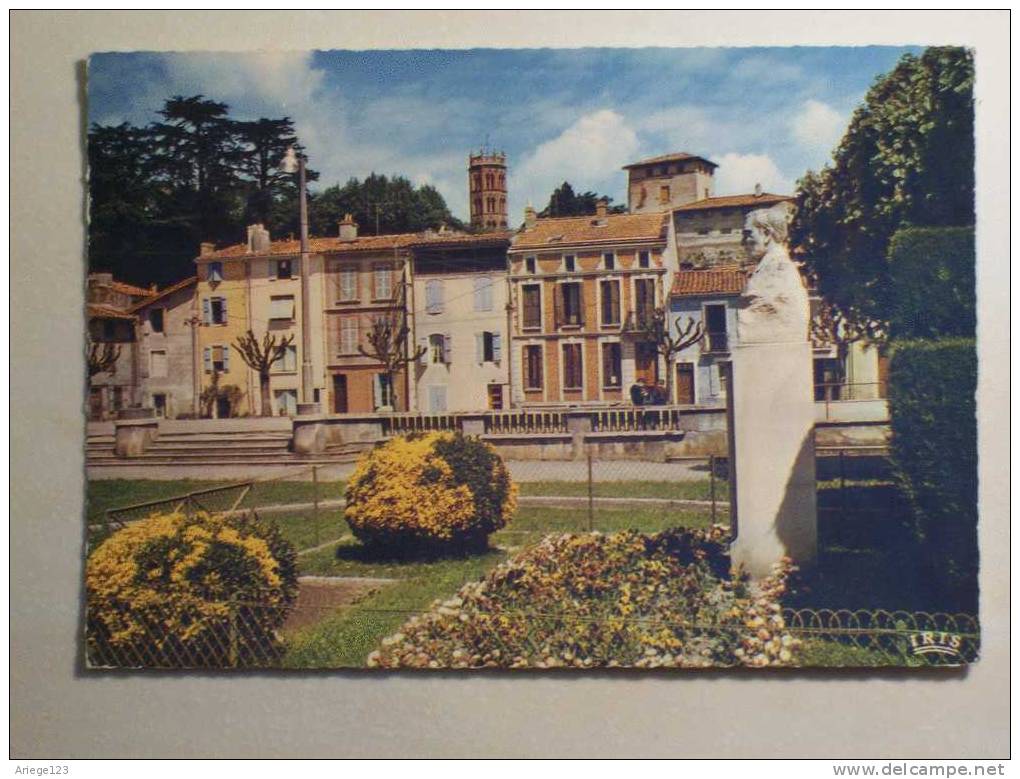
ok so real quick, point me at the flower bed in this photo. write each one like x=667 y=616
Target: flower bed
x=620 y=600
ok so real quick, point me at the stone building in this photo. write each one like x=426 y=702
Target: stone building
x=110 y=320
x=710 y=231
x=581 y=290
x=662 y=183
x=487 y=190
x=168 y=335
x=459 y=321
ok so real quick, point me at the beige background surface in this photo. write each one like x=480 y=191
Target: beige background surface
x=58 y=712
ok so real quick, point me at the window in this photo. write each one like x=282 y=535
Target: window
x=118 y=398
x=156 y=320
x=437 y=399
x=382 y=391
x=570 y=263
x=644 y=260
x=159 y=404
x=216 y=358
x=715 y=327
x=438 y=352
x=284 y=269
x=570 y=306
x=382 y=282
x=434 y=297
x=573 y=372
x=664 y=194
x=609 y=261
x=532 y=306
x=348 y=284
x=483 y=294
x=286 y=402
x=349 y=335
x=157 y=364
x=215 y=271
x=610 y=302
x=287 y=363
x=529 y=265
x=109 y=330
x=533 y=367
x=488 y=347
x=611 y=362
x=281 y=307
x=214 y=311
x=644 y=301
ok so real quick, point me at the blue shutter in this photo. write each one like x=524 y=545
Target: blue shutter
x=223 y=308
x=206 y=311
x=497 y=347
x=226 y=359
x=207 y=359
x=448 y=347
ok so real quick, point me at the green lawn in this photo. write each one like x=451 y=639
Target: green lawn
x=670 y=490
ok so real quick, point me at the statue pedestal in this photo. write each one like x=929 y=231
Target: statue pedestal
x=772 y=421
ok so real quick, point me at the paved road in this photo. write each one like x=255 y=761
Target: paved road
x=520 y=470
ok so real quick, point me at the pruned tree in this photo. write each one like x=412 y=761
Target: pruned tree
x=260 y=357
x=831 y=326
x=670 y=341
x=102 y=358
x=387 y=342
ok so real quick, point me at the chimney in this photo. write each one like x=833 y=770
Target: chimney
x=348 y=228
x=206 y=247
x=258 y=239
x=530 y=217
x=601 y=207
x=757 y=190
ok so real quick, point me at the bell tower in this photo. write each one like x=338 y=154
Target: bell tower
x=487 y=190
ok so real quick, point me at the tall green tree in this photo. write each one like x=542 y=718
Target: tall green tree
x=907 y=159
x=565 y=202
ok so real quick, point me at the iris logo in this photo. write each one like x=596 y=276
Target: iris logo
x=936 y=643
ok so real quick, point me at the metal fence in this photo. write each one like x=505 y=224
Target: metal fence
x=235 y=635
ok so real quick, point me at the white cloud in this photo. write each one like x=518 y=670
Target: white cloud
x=589 y=154
x=818 y=125
x=738 y=174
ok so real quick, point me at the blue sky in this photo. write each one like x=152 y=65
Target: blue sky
x=763 y=114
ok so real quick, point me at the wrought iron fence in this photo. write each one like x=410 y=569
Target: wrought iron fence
x=246 y=635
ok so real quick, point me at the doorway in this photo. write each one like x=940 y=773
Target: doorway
x=222 y=407
x=685 y=383
x=339 y=393
x=646 y=363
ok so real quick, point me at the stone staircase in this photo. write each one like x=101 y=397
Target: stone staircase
x=217 y=447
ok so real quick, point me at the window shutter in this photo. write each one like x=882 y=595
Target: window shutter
x=558 y=305
x=207 y=359
x=580 y=303
x=226 y=359
x=223 y=308
x=497 y=347
x=206 y=311
x=448 y=347
x=423 y=345
x=479 y=347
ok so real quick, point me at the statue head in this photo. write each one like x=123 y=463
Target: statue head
x=765 y=227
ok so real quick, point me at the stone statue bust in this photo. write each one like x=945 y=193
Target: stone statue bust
x=774 y=306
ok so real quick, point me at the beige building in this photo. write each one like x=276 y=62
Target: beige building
x=662 y=183
x=168 y=350
x=459 y=322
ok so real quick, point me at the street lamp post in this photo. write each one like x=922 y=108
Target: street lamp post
x=291 y=163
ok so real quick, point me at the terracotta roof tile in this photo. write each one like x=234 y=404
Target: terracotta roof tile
x=711 y=281
x=563 y=231
x=165 y=291
x=319 y=246
x=734 y=201
x=675 y=157
x=96 y=311
x=129 y=289
x=464 y=239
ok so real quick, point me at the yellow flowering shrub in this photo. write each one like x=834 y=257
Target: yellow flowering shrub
x=206 y=590
x=440 y=489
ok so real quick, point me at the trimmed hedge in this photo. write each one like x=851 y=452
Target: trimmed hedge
x=429 y=492
x=932 y=387
x=932 y=283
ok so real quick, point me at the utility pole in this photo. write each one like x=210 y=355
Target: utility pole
x=307 y=404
